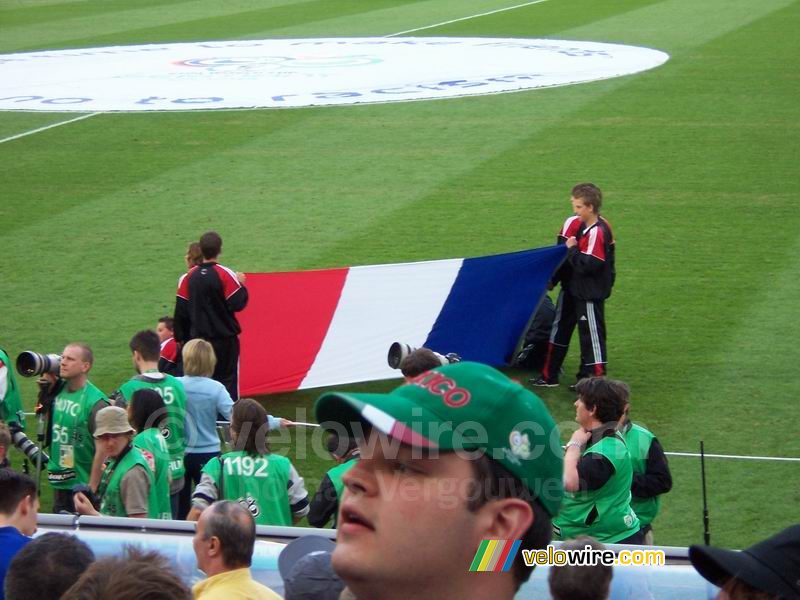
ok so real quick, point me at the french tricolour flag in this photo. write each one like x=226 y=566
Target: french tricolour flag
x=310 y=329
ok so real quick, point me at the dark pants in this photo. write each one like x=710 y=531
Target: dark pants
x=227 y=369
x=589 y=316
x=636 y=539
x=194 y=463
x=63 y=501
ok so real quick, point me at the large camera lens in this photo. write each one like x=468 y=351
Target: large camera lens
x=397 y=352
x=31 y=364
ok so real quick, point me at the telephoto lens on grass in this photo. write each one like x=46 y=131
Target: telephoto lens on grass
x=32 y=364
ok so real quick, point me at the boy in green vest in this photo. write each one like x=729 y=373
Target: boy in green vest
x=597 y=469
x=72 y=403
x=651 y=476
x=126 y=485
x=451 y=462
x=145 y=351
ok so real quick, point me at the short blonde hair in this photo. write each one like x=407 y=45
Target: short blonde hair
x=199 y=358
x=5 y=436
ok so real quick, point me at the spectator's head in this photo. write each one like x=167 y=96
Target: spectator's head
x=767 y=570
x=194 y=255
x=146 y=348
x=199 y=359
x=146 y=410
x=135 y=575
x=210 y=245
x=587 y=195
x=165 y=329
x=76 y=362
x=460 y=455
x=224 y=538
x=601 y=401
x=418 y=362
x=112 y=430
x=47 y=567
x=19 y=504
x=340 y=447
x=249 y=427
x=5 y=442
x=584 y=582
x=305 y=567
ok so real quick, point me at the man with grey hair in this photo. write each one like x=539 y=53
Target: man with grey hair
x=223 y=545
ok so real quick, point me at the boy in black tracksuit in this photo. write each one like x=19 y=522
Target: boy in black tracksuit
x=587 y=277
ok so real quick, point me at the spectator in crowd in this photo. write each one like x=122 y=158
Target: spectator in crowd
x=72 y=403
x=418 y=362
x=223 y=545
x=205 y=400
x=598 y=473
x=325 y=504
x=18 y=509
x=5 y=444
x=580 y=582
x=266 y=483
x=47 y=567
x=459 y=455
x=305 y=567
x=168 y=359
x=136 y=575
x=126 y=485
x=587 y=277
x=651 y=476
x=145 y=352
x=768 y=570
x=146 y=413
x=208 y=298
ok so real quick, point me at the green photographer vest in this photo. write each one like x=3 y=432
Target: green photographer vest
x=10 y=403
x=615 y=519
x=110 y=490
x=259 y=483
x=335 y=475
x=174 y=396
x=72 y=446
x=154 y=446
x=638 y=439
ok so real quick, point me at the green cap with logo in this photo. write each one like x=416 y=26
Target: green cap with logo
x=464 y=406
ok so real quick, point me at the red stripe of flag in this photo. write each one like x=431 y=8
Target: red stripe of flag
x=284 y=308
x=502 y=560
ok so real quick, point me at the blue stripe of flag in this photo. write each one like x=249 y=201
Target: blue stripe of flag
x=491 y=302
x=511 y=555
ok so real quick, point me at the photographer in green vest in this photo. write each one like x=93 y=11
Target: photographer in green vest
x=597 y=469
x=266 y=484
x=146 y=413
x=325 y=504
x=651 y=476
x=72 y=403
x=126 y=485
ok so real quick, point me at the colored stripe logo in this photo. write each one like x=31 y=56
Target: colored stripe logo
x=495 y=555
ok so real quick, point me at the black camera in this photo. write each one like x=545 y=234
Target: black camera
x=398 y=351
x=25 y=445
x=31 y=364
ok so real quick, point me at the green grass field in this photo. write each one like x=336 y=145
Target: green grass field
x=698 y=160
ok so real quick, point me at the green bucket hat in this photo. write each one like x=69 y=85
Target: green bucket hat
x=464 y=406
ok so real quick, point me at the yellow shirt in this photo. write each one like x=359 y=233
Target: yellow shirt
x=232 y=585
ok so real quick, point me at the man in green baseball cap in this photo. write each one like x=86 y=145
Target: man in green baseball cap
x=458 y=455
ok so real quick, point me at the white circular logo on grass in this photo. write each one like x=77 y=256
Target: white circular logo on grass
x=302 y=72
